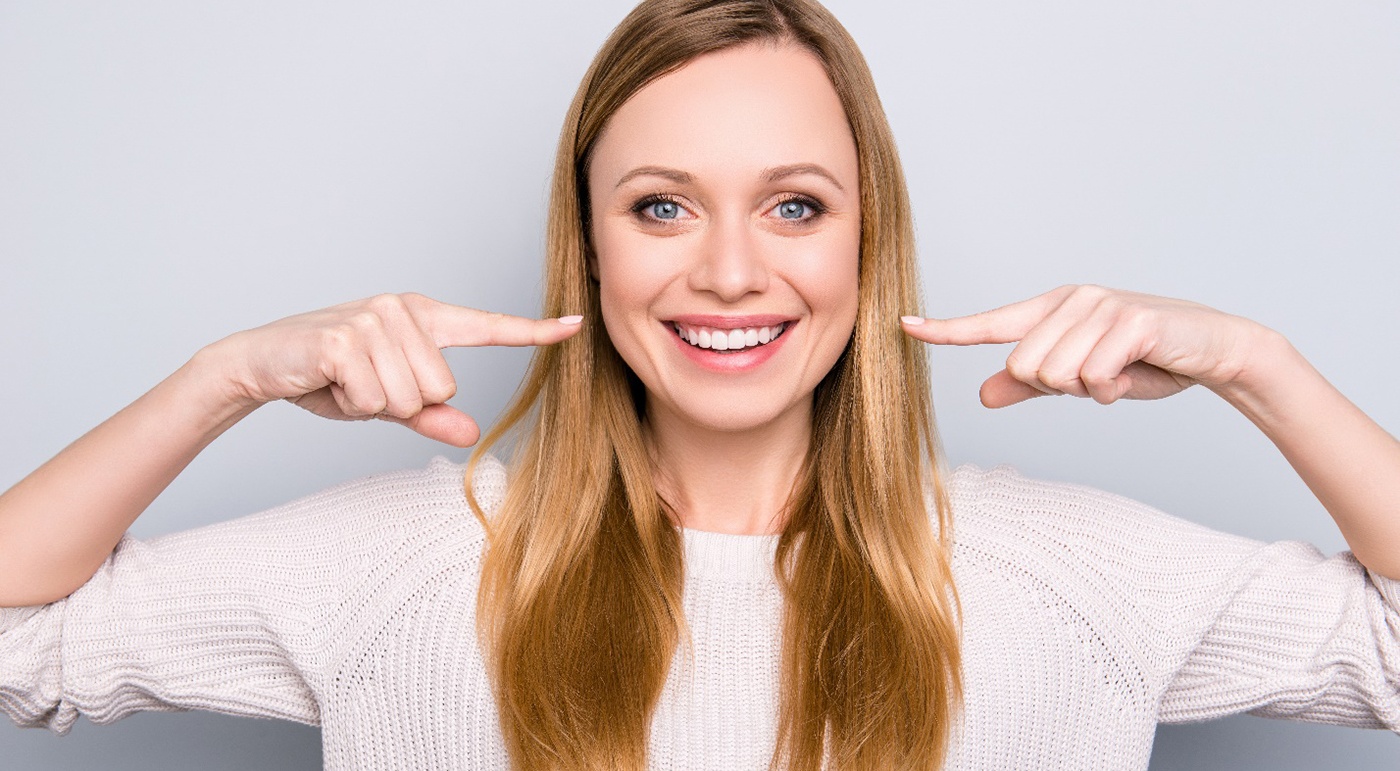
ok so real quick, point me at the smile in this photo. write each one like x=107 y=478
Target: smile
x=728 y=340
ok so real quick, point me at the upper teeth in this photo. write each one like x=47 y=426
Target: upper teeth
x=728 y=339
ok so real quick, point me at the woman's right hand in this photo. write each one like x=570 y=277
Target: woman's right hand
x=379 y=357
x=376 y=357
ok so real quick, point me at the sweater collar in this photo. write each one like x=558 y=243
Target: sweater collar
x=725 y=556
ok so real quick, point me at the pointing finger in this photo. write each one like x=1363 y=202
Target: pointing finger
x=1006 y=324
x=474 y=328
x=455 y=325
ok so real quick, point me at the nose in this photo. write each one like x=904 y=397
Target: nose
x=731 y=263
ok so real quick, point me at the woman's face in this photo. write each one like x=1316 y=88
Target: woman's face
x=726 y=227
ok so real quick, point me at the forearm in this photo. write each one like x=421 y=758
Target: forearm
x=58 y=524
x=1349 y=462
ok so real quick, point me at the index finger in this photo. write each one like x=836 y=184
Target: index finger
x=456 y=326
x=1007 y=324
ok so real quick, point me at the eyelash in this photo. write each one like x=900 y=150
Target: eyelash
x=640 y=207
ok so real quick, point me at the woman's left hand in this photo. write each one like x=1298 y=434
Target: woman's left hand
x=1105 y=344
x=1109 y=345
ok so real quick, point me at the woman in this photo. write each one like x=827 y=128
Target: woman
x=739 y=372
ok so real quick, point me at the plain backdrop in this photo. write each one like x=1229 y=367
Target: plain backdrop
x=171 y=172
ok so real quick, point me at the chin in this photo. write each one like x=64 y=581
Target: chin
x=730 y=415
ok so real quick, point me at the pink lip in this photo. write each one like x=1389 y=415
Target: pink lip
x=746 y=360
x=731 y=322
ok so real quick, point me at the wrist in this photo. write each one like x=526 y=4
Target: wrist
x=208 y=381
x=1272 y=379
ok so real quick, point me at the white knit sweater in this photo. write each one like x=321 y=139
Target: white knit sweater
x=1088 y=619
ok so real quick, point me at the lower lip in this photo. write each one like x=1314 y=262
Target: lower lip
x=730 y=363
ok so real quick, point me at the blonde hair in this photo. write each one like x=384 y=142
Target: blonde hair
x=580 y=610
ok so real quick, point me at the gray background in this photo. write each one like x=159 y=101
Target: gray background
x=171 y=172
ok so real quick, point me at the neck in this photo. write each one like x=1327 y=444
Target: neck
x=729 y=481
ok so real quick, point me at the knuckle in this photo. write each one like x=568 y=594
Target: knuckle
x=1092 y=295
x=494 y=323
x=385 y=304
x=437 y=393
x=1111 y=304
x=1136 y=317
x=361 y=399
x=365 y=320
x=339 y=338
x=1018 y=368
x=403 y=410
x=1059 y=381
x=414 y=301
x=1068 y=382
x=373 y=405
x=1096 y=377
x=358 y=408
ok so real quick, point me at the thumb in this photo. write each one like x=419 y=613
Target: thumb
x=441 y=423
x=1003 y=390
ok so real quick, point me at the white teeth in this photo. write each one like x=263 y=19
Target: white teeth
x=729 y=339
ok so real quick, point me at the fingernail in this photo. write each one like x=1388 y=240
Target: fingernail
x=912 y=321
x=570 y=319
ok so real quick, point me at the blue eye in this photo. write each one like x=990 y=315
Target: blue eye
x=659 y=208
x=792 y=210
x=799 y=209
x=665 y=210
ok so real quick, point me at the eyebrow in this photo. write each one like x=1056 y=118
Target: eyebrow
x=782 y=172
x=769 y=175
x=675 y=175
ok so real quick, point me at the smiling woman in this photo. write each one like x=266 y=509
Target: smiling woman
x=762 y=234
x=680 y=158
x=725 y=535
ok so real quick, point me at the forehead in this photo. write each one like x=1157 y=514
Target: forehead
x=738 y=110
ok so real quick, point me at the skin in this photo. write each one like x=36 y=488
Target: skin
x=752 y=109
x=725 y=118
x=708 y=137
x=1105 y=344
x=373 y=358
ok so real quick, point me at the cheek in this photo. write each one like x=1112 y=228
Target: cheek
x=829 y=284
x=629 y=281
x=827 y=276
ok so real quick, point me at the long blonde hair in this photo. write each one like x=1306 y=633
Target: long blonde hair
x=580 y=609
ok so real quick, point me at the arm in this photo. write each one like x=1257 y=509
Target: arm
x=379 y=358
x=1349 y=462
x=1104 y=344
x=59 y=523
x=1196 y=623
x=253 y=616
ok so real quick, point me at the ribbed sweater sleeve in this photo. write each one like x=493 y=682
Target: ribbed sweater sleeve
x=1287 y=633
x=1088 y=619
x=1214 y=624
x=241 y=617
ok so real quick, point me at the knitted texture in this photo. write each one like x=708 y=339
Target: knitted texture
x=1088 y=619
